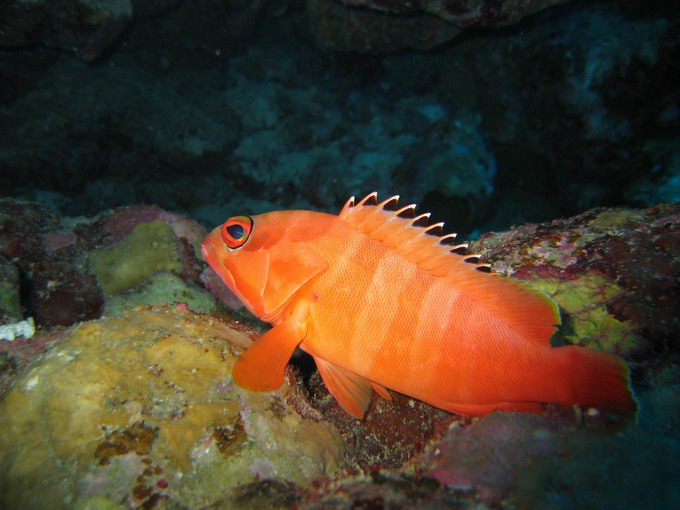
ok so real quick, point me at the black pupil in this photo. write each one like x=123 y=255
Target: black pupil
x=236 y=231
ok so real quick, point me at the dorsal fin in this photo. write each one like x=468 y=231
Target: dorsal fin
x=528 y=311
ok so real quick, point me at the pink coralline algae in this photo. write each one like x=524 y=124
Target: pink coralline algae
x=527 y=461
x=55 y=241
x=485 y=456
x=125 y=220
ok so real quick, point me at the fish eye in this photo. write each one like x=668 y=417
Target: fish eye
x=236 y=231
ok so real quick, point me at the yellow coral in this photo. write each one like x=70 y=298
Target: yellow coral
x=150 y=247
x=126 y=401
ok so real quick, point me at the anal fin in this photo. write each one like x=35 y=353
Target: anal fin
x=352 y=391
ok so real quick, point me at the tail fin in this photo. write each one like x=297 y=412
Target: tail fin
x=596 y=379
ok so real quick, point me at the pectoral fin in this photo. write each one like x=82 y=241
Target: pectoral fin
x=261 y=366
x=352 y=391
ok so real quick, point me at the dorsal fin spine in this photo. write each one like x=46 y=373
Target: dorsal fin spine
x=385 y=204
x=348 y=205
x=435 y=226
x=411 y=207
x=419 y=219
x=444 y=240
x=371 y=196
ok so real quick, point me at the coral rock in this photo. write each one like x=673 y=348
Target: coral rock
x=531 y=461
x=10 y=305
x=461 y=12
x=83 y=27
x=613 y=272
x=140 y=408
x=150 y=247
x=338 y=28
x=70 y=267
x=382 y=26
x=162 y=287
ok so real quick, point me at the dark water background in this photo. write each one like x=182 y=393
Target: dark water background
x=572 y=108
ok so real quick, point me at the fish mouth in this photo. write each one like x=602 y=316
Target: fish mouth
x=208 y=251
x=212 y=257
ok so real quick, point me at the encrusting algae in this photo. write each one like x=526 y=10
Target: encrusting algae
x=150 y=247
x=139 y=408
x=585 y=299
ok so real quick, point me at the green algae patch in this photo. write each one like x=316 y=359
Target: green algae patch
x=98 y=503
x=611 y=220
x=140 y=408
x=10 y=302
x=150 y=247
x=587 y=322
x=162 y=287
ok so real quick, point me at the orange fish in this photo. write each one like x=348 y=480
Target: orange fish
x=383 y=301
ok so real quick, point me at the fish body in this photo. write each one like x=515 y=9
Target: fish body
x=382 y=301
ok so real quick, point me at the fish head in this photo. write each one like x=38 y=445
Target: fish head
x=264 y=259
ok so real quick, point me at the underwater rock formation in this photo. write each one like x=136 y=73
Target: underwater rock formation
x=139 y=407
x=613 y=272
x=58 y=271
x=530 y=461
x=461 y=12
x=83 y=27
x=87 y=28
x=138 y=410
x=383 y=26
x=339 y=28
x=69 y=267
x=10 y=301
